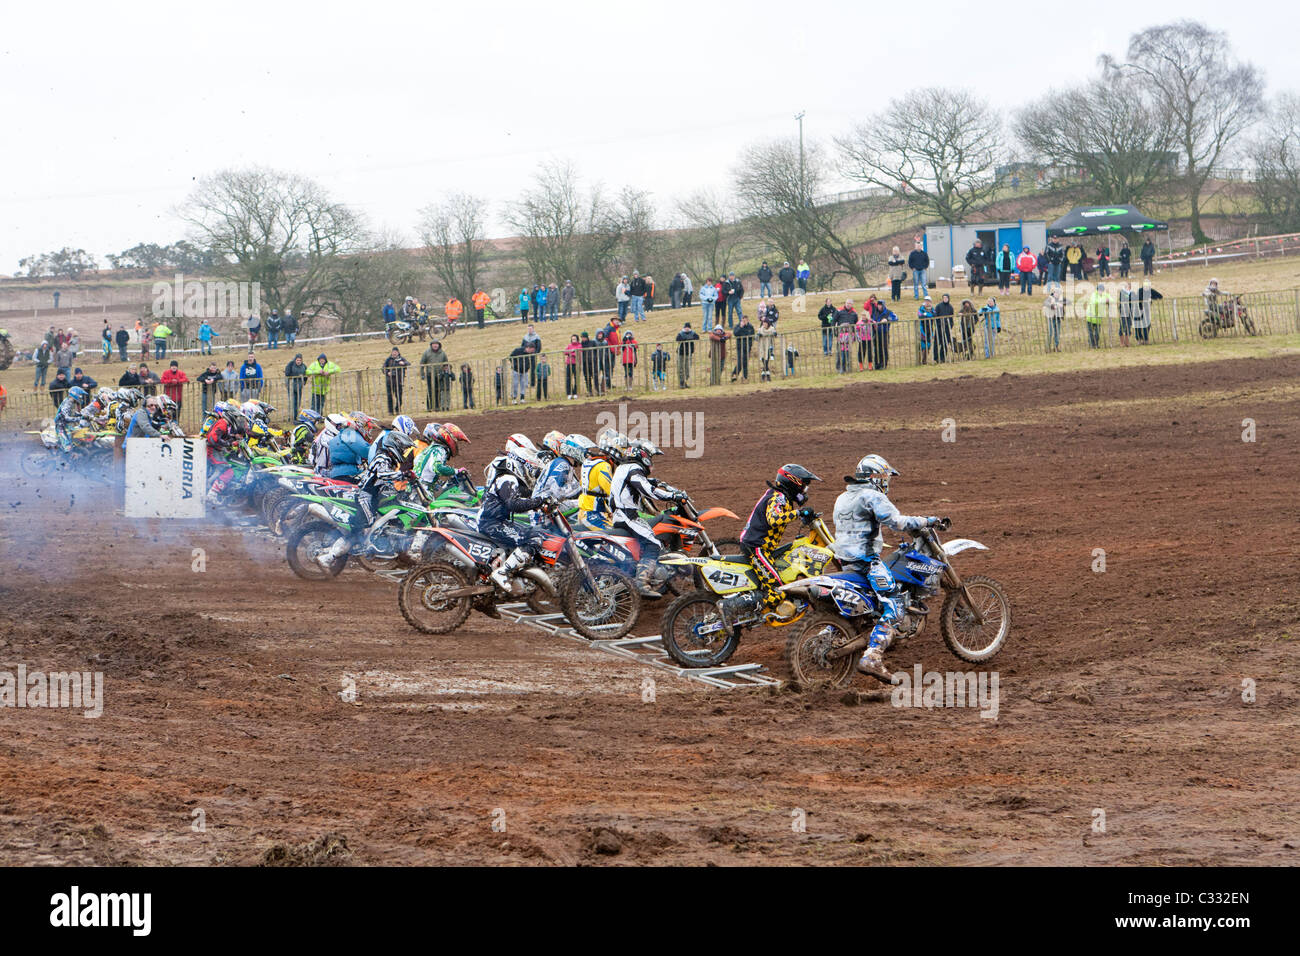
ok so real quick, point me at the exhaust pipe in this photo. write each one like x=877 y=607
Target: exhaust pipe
x=318 y=509
x=541 y=579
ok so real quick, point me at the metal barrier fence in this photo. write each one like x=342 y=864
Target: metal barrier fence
x=796 y=353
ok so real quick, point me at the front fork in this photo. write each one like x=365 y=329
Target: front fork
x=953 y=582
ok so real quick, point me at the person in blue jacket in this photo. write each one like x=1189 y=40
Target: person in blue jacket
x=349 y=451
x=524 y=303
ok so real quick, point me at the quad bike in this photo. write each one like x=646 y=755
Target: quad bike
x=975 y=618
x=6 y=350
x=600 y=601
x=1225 y=315
x=702 y=628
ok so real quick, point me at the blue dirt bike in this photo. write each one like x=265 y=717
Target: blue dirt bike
x=975 y=617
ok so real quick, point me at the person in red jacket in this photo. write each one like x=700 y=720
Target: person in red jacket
x=1026 y=265
x=223 y=437
x=628 y=357
x=173 y=382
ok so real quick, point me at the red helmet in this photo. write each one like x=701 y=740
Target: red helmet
x=452 y=436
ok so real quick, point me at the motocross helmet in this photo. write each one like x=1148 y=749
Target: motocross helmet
x=552 y=440
x=524 y=464
x=363 y=423
x=641 y=453
x=395 y=445
x=874 y=471
x=168 y=407
x=105 y=396
x=574 y=448
x=336 y=421
x=793 y=481
x=79 y=395
x=612 y=445
x=406 y=425
x=252 y=410
x=519 y=440
x=311 y=418
x=452 y=436
x=131 y=397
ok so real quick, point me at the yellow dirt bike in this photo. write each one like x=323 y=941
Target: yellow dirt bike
x=702 y=628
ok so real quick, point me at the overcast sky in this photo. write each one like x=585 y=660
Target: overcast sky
x=111 y=111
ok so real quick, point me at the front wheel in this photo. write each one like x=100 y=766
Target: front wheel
x=806 y=649
x=694 y=633
x=1248 y=324
x=308 y=542
x=972 y=642
x=1209 y=329
x=420 y=598
x=607 y=613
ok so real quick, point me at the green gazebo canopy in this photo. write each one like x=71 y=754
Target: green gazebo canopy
x=1101 y=220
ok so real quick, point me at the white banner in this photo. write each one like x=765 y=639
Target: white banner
x=165 y=478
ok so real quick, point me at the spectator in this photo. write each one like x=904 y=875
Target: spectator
x=532 y=338
x=174 y=381
x=636 y=291
x=206 y=335
x=254 y=326
x=572 y=353
x=1125 y=260
x=826 y=316
x=786 y=277
x=431 y=368
x=389 y=312
x=1055 y=260
x=744 y=336
x=149 y=381
x=766 y=338
x=274 y=324
x=764 y=282
x=686 y=340
x=566 y=297
x=209 y=385
x=1074 y=259
x=1126 y=302
x=802 y=275
x=590 y=374
x=659 y=360
x=395 y=367
x=846 y=320
x=59 y=388
x=553 y=302
x=862 y=335
x=992 y=317
x=251 y=378
x=943 y=328
x=1142 y=312
x=925 y=330
x=1148 y=257
x=542 y=373
x=466 y=386
x=85 y=381
x=130 y=378
x=735 y=290
x=65 y=356
x=524 y=304
x=520 y=364
x=1054 y=313
x=230 y=380
x=918 y=260
x=967 y=319
x=977 y=264
x=621 y=297
x=499 y=382
x=717 y=353
x=481 y=301
x=897 y=270
x=539 y=303
x=320 y=374
x=1103 y=262
x=1005 y=264
x=1098 y=308
x=289 y=326
x=123 y=339
x=675 y=291
x=1026 y=265
x=106 y=342
x=881 y=316
x=41 y=357
x=708 y=298
x=1041 y=261
x=687 y=291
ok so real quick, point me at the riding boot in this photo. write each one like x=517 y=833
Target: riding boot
x=515 y=561
x=872 y=661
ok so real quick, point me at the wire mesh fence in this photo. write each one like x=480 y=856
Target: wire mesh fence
x=800 y=349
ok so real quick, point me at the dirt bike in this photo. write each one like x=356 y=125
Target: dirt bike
x=6 y=350
x=1225 y=315
x=975 y=618
x=402 y=331
x=698 y=629
x=600 y=601
x=678 y=528
x=90 y=454
x=339 y=515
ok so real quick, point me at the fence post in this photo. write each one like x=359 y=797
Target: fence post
x=1297 y=309
x=1175 y=323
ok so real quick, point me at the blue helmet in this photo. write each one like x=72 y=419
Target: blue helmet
x=310 y=417
x=79 y=395
x=406 y=425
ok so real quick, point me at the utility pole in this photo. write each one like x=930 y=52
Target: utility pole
x=803 y=189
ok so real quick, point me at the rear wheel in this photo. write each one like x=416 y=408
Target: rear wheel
x=309 y=541
x=420 y=599
x=806 y=649
x=270 y=501
x=286 y=516
x=606 y=613
x=1248 y=324
x=694 y=633
x=1208 y=329
x=968 y=640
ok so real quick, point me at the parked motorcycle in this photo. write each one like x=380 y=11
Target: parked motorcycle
x=975 y=618
x=702 y=628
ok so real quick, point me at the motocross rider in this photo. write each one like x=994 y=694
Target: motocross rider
x=391 y=463
x=594 y=479
x=630 y=485
x=771 y=515
x=503 y=498
x=444 y=442
x=304 y=433
x=319 y=456
x=560 y=479
x=223 y=438
x=348 y=450
x=859 y=513
x=68 y=415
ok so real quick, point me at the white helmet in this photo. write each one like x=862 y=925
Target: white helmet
x=874 y=471
x=524 y=465
x=552 y=440
x=575 y=448
x=520 y=440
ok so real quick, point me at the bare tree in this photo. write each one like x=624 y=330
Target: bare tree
x=276 y=229
x=1276 y=156
x=567 y=231
x=643 y=242
x=934 y=148
x=454 y=235
x=1122 y=138
x=777 y=188
x=708 y=239
x=1212 y=97
x=358 y=284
